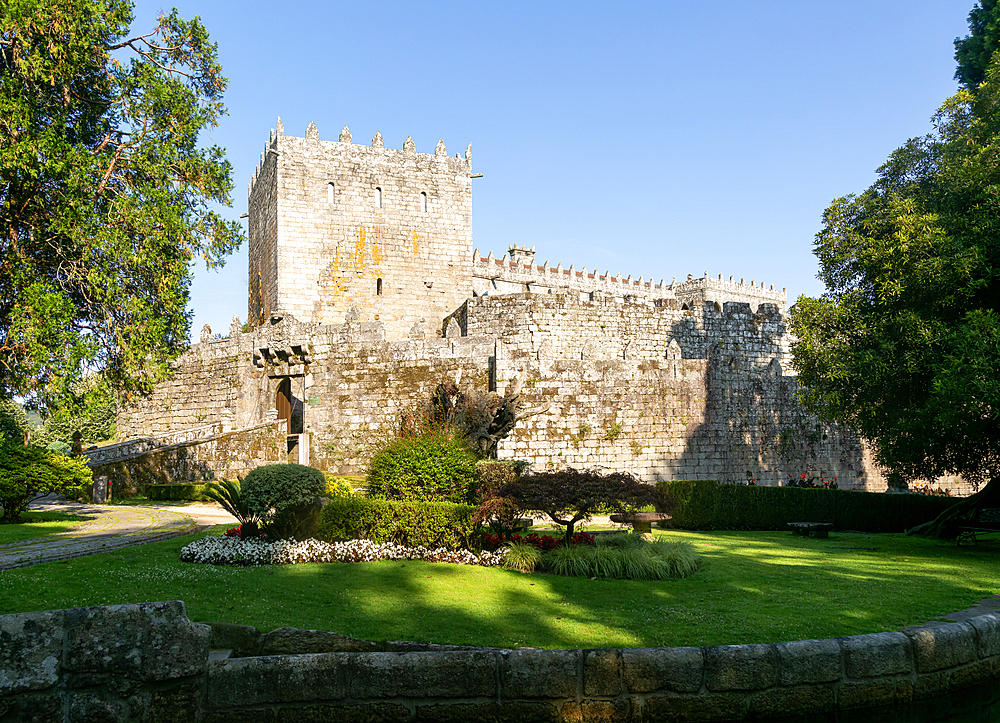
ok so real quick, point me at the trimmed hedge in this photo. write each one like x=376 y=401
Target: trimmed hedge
x=177 y=492
x=707 y=505
x=414 y=524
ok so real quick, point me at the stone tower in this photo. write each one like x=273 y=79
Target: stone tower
x=336 y=226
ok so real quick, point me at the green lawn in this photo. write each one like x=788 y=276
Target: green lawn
x=754 y=587
x=38 y=524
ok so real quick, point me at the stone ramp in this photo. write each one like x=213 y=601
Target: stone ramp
x=104 y=528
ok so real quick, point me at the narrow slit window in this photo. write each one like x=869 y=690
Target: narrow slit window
x=331 y=192
x=423 y=202
x=378 y=197
x=378 y=287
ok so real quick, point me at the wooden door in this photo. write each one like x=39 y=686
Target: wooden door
x=283 y=403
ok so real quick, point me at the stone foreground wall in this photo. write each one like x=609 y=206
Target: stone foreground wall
x=148 y=663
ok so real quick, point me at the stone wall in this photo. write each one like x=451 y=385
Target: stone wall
x=226 y=455
x=148 y=663
x=637 y=385
x=659 y=391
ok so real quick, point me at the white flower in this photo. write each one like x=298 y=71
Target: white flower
x=234 y=551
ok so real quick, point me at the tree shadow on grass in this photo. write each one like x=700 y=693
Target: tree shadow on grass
x=752 y=588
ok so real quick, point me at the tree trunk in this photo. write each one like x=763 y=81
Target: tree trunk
x=944 y=525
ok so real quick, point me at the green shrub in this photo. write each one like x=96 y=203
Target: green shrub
x=706 y=505
x=177 y=491
x=414 y=524
x=28 y=471
x=285 y=497
x=337 y=486
x=626 y=557
x=434 y=467
x=522 y=557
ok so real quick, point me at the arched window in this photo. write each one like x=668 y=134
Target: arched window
x=378 y=197
x=331 y=192
x=423 y=202
x=378 y=287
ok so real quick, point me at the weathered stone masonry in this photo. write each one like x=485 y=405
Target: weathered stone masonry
x=365 y=293
x=149 y=663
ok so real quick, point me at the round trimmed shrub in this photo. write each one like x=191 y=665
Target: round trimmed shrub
x=286 y=497
x=433 y=467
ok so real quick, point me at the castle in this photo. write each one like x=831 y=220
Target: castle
x=366 y=292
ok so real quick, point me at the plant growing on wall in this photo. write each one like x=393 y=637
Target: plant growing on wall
x=484 y=418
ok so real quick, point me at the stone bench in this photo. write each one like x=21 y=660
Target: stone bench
x=812 y=529
x=642 y=522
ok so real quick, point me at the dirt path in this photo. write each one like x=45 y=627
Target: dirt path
x=109 y=527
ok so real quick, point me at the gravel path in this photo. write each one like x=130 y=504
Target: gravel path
x=109 y=527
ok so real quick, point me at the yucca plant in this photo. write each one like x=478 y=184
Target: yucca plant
x=227 y=493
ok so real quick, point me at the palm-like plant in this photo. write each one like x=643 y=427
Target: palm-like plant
x=228 y=494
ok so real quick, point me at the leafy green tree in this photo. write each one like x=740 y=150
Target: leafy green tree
x=104 y=191
x=975 y=51
x=568 y=496
x=88 y=407
x=13 y=422
x=905 y=343
x=27 y=471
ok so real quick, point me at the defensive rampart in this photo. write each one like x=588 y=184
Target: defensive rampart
x=638 y=385
x=148 y=663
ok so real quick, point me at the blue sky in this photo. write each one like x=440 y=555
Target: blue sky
x=655 y=139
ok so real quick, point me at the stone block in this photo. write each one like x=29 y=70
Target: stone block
x=782 y=702
x=243 y=640
x=460 y=674
x=31 y=646
x=94 y=708
x=975 y=673
x=740 y=667
x=943 y=646
x=292 y=641
x=602 y=672
x=987 y=629
x=870 y=656
x=178 y=705
x=259 y=681
x=646 y=670
x=874 y=694
x=381 y=712
x=538 y=674
x=709 y=708
x=33 y=709
x=619 y=710
x=808 y=661
x=489 y=712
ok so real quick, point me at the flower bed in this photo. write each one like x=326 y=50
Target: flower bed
x=234 y=551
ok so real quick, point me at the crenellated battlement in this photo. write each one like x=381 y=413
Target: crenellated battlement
x=505 y=274
x=517 y=272
x=408 y=150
